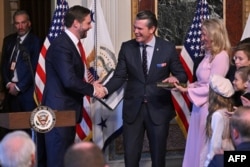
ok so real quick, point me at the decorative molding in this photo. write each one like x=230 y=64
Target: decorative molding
x=137 y=5
x=14 y=6
x=246 y=11
x=134 y=10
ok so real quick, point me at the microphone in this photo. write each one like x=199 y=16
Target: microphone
x=26 y=57
x=24 y=52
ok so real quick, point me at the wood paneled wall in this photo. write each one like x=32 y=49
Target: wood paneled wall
x=234 y=20
x=40 y=12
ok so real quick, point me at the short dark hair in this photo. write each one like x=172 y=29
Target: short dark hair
x=21 y=12
x=148 y=15
x=75 y=13
x=243 y=46
x=245 y=40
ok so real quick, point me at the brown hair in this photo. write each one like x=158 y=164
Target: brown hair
x=243 y=72
x=216 y=102
x=245 y=47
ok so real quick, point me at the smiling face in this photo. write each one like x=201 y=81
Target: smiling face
x=241 y=59
x=248 y=84
x=205 y=39
x=238 y=82
x=143 y=34
x=84 y=26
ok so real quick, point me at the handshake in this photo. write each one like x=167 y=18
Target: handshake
x=99 y=90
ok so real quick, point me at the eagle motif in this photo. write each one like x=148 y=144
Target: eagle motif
x=42 y=119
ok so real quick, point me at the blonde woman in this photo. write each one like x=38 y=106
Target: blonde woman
x=216 y=61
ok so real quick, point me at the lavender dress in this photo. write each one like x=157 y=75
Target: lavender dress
x=198 y=95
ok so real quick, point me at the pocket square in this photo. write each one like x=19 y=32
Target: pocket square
x=162 y=65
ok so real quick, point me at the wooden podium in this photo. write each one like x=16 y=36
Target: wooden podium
x=21 y=120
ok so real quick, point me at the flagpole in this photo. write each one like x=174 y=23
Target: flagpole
x=96 y=49
x=95 y=41
x=202 y=51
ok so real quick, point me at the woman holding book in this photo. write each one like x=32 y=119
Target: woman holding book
x=216 y=61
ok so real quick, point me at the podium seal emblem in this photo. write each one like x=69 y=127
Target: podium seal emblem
x=42 y=119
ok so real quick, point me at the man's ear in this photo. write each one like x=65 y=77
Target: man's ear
x=152 y=30
x=75 y=24
x=246 y=84
x=33 y=159
x=235 y=134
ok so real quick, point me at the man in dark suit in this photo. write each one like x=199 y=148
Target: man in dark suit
x=65 y=85
x=146 y=107
x=19 y=63
x=239 y=127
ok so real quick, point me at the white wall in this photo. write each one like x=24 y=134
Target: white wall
x=77 y=2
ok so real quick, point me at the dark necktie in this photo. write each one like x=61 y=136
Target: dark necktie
x=14 y=57
x=144 y=61
x=16 y=48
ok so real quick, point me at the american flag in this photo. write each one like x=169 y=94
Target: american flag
x=56 y=28
x=84 y=129
x=190 y=55
x=106 y=122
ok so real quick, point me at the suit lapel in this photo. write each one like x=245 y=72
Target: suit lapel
x=137 y=60
x=76 y=53
x=71 y=44
x=11 y=45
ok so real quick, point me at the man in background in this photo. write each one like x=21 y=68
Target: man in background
x=240 y=133
x=17 y=149
x=84 y=154
x=20 y=54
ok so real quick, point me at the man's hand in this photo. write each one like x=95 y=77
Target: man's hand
x=100 y=91
x=171 y=79
x=245 y=101
x=12 y=89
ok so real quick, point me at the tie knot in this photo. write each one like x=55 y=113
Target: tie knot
x=18 y=40
x=144 y=46
x=79 y=43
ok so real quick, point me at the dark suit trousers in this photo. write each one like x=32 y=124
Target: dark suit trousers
x=51 y=146
x=133 y=135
